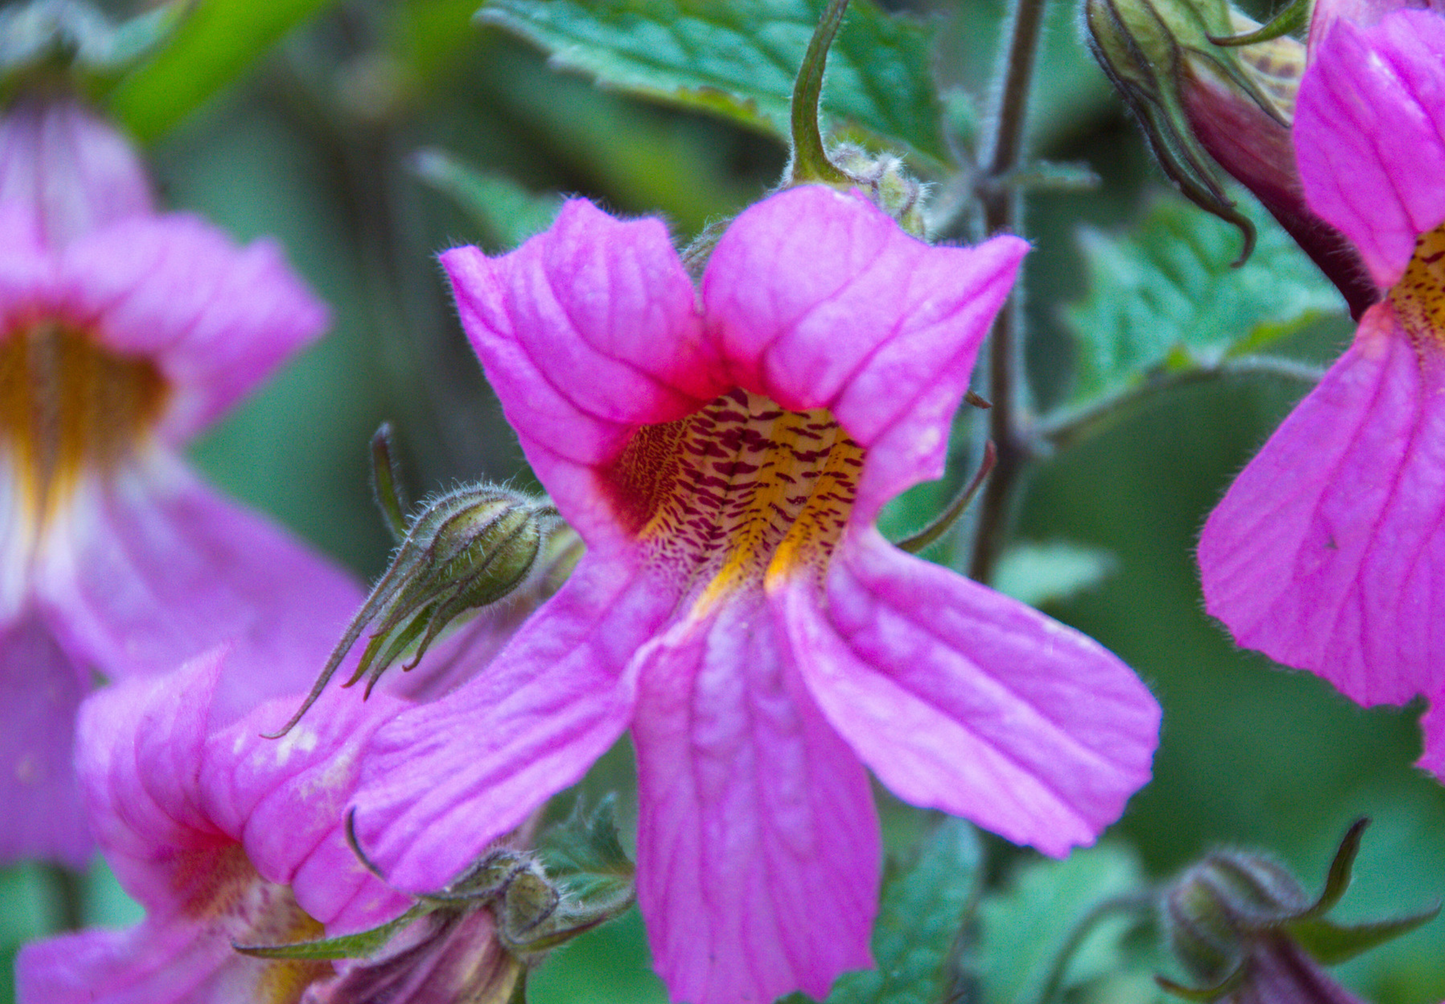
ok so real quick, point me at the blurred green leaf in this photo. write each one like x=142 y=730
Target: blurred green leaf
x=1025 y=928
x=215 y=44
x=920 y=912
x=1043 y=573
x=738 y=58
x=1165 y=295
x=506 y=213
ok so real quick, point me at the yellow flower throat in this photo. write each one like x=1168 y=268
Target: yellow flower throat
x=739 y=493
x=68 y=405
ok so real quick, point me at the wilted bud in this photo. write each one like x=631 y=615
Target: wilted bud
x=1203 y=103
x=466 y=550
x=1241 y=926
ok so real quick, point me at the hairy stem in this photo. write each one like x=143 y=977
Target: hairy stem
x=1001 y=210
x=1069 y=427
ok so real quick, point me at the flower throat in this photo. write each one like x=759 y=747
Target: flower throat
x=739 y=491
x=68 y=405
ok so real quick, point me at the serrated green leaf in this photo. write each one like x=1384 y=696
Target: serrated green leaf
x=1042 y=573
x=506 y=212
x=215 y=44
x=738 y=58
x=919 y=915
x=1024 y=930
x=1164 y=296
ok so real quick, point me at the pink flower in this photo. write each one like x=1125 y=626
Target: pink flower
x=122 y=335
x=1328 y=553
x=724 y=453
x=222 y=835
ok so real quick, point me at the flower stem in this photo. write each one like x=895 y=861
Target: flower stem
x=67 y=886
x=1071 y=426
x=1128 y=902
x=1001 y=211
x=810 y=161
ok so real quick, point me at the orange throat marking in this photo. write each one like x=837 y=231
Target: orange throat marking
x=1419 y=296
x=738 y=493
x=68 y=405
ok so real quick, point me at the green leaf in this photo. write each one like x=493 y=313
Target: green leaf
x=1165 y=297
x=216 y=44
x=738 y=58
x=1025 y=929
x=585 y=855
x=1042 y=573
x=506 y=213
x=920 y=912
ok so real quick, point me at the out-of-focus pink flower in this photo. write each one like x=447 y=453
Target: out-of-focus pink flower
x=222 y=835
x=122 y=335
x=1328 y=553
x=724 y=454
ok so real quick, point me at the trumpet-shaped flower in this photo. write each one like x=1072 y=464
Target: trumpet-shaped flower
x=1328 y=552
x=122 y=335
x=224 y=837
x=724 y=453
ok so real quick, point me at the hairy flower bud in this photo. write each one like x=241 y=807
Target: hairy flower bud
x=886 y=182
x=467 y=549
x=1246 y=930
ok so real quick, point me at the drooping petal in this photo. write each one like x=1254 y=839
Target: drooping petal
x=1328 y=552
x=40 y=690
x=1370 y=134
x=585 y=332
x=872 y=324
x=757 y=843
x=443 y=780
x=74 y=170
x=962 y=699
x=151 y=567
x=216 y=319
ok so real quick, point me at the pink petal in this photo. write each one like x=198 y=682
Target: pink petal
x=217 y=319
x=174 y=960
x=964 y=700
x=445 y=779
x=818 y=299
x=40 y=690
x=1370 y=135
x=1328 y=552
x=585 y=332
x=151 y=567
x=757 y=846
x=73 y=169
x=169 y=793
x=1432 y=723
x=1362 y=12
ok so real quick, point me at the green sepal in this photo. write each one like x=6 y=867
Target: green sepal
x=348 y=946
x=1341 y=867
x=1294 y=17
x=386 y=482
x=505 y=212
x=1224 y=986
x=1330 y=943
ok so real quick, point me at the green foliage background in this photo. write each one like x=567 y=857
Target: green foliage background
x=351 y=131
